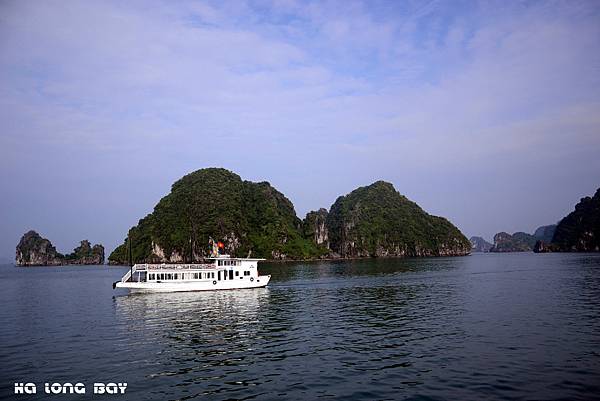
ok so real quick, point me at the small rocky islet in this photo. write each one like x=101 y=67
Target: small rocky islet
x=34 y=250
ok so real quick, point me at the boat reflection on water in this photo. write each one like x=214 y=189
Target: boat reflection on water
x=185 y=341
x=187 y=319
x=203 y=308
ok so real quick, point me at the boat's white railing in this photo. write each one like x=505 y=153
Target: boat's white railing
x=127 y=275
x=181 y=266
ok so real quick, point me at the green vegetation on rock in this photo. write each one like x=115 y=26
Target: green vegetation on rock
x=256 y=219
x=378 y=221
x=249 y=218
x=86 y=254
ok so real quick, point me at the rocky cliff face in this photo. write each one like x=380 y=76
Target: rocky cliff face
x=518 y=242
x=33 y=250
x=543 y=247
x=377 y=221
x=315 y=228
x=478 y=244
x=579 y=231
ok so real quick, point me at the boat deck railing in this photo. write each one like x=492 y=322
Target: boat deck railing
x=164 y=266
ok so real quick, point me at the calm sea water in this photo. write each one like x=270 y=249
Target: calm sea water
x=513 y=326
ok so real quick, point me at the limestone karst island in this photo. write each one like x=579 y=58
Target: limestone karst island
x=33 y=250
x=256 y=219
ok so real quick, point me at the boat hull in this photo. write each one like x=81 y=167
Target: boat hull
x=184 y=286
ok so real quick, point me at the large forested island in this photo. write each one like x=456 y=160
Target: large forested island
x=34 y=250
x=256 y=219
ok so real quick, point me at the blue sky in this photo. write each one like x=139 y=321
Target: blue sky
x=487 y=113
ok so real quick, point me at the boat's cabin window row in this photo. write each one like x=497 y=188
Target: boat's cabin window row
x=180 y=276
x=246 y=273
x=229 y=262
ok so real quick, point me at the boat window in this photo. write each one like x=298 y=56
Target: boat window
x=230 y=274
x=237 y=273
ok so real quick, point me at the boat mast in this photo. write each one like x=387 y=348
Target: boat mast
x=129 y=256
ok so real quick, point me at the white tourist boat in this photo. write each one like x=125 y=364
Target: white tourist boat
x=219 y=273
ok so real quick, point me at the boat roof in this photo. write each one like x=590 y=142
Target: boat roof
x=227 y=257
